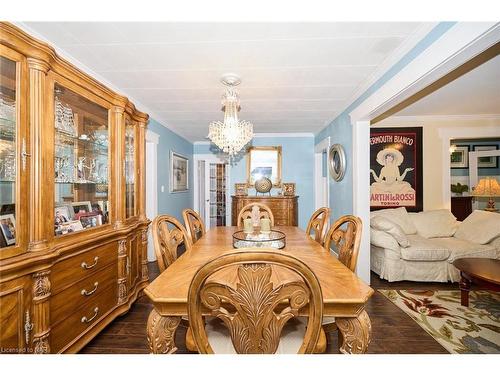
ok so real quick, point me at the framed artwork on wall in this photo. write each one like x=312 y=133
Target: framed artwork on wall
x=396 y=168
x=179 y=172
x=486 y=161
x=459 y=156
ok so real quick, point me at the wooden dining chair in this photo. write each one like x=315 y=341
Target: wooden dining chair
x=345 y=237
x=318 y=223
x=194 y=224
x=254 y=316
x=168 y=235
x=246 y=213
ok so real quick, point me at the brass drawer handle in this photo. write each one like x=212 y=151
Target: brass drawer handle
x=88 y=320
x=87 y=267
x=85 y=293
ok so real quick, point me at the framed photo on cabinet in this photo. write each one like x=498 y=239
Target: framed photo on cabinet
x=289 y=188
x=179 y=173
x=8 y=228
x=396 y=168
x=240 y=189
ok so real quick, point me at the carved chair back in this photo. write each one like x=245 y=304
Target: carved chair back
x=168 y=235
x=194 y=224
x=255 y=311
x=318 y=223
x=246 y=213
x=346 y=241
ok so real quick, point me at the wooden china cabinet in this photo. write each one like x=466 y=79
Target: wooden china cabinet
x=73 y=235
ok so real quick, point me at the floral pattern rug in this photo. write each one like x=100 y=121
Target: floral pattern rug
x=459 y=329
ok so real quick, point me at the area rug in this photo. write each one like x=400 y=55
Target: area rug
x=459 y=329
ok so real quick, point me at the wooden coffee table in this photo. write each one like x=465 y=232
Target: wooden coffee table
x=483 y=272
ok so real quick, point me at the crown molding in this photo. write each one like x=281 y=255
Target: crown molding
x=84 y=68
x=438 y=118
x=406 y=46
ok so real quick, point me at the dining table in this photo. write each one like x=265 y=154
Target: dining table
x=345 y=295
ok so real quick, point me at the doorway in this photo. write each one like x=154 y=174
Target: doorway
x=152 y=140
x=211 y=194
x=321 y=188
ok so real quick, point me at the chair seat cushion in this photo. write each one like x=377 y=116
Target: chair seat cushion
x=291 y=340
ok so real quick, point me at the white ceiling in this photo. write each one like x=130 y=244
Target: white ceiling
x=475 y=93
x=296 y=77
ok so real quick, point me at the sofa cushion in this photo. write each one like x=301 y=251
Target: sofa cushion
x=383 y=240
x=466 y=249
x=434 y=223
x=399 y=216
x=424 y=249
x=479 y=227
x=385 y=225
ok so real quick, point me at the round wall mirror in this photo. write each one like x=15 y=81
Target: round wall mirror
x=336 y=162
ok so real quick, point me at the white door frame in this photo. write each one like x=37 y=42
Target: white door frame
x=152 y=140
x=449 y=134
x=321 y=184
x=458 y=45
x=210 y=158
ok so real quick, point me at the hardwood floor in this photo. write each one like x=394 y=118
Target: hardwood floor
x=393 y=332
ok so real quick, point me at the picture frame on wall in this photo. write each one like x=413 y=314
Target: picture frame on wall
x=179 y=173
x=486 y=161
x=396 y=178
x=459 y=156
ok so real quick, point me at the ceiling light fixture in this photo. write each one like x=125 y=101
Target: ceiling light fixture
x=232 y=134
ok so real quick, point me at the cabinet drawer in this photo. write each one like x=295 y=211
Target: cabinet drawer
x=80 y=266
x=280 y=214
x=93 y=310
x=70 y=299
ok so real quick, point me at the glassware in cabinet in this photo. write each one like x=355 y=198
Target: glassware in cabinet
x=81 y=162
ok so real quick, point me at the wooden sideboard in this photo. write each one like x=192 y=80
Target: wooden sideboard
x=461 y=207
x=65 y=275
x=284 y=208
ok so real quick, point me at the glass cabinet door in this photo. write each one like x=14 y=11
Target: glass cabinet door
x=130 y=171
x=81 y=163
x=8 y=143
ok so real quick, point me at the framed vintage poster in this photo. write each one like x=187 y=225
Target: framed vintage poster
x=179 y=172
x=459 y=156
x=487 y=161
x=396 y=168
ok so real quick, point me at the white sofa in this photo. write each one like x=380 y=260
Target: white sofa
x=422 y=246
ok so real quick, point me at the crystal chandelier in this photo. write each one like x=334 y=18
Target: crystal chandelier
x=231 y=135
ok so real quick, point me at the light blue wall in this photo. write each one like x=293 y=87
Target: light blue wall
x=340 y=129
x=171 y=203
x=297 y=166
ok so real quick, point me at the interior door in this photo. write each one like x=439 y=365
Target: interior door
x=203 y=201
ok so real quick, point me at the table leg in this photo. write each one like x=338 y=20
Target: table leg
x=356 y=333
x=161 y=333
x=464 y=290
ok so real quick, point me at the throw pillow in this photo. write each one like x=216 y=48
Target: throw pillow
x=385 y=225
x=435 y=223
x=479 y=227
x=397 y=215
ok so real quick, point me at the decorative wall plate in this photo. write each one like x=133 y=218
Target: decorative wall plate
x=337 y=162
